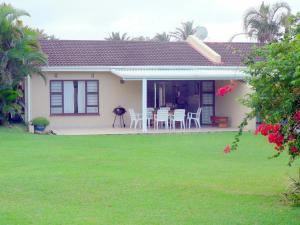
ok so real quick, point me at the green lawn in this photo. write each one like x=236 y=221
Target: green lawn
x=141 y=179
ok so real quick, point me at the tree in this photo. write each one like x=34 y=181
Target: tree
x=187 y=29
x=275 y=80
x=44 y=36
x=9 y=103
x=141 y=38
x=162 y=37
x=268 y=22
x=116 y=36
x=275 y=99
x=238 y=34
x=20 y=56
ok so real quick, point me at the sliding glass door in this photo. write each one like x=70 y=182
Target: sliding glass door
x=207 y=101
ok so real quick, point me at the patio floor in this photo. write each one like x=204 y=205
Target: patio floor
x=106 y=131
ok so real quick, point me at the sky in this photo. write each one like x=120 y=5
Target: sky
x=95 y=19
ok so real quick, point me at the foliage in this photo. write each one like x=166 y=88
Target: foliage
x=45 y=36
x=180 y=34
x=8 y=103
x=275 y=79
x=274 y=71
x=162 y=37
x=20 y=56
x=141 y=38
x=186 y=29
x=267 y=23
x=236 y=35
x=292 y=194
x=40 y=121
x=117 y=36
x=20 y=53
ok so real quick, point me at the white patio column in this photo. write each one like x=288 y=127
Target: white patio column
x=27 y=99
x=154 y=95
x=144 y=105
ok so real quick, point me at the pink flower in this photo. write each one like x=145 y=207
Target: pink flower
x=227 y=88
x=294 y=149
x=291 y=137
x=297 y=116
x=276 y=138
x=276 y=128
x=227 y=149
x=265 y=129
x=224 y=90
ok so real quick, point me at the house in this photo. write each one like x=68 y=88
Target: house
x=86 y=80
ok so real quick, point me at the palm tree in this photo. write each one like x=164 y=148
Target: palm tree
x=20 y=54
x=141 y=38
x=45 y=36
x=184 y=31
x=187 y=29
x=237 y=34
x=162 y=37
x=268 y=22
x=116 y=36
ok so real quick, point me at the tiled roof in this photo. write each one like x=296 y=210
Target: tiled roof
x=131 y=53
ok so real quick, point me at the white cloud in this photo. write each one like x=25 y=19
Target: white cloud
x=94 y=19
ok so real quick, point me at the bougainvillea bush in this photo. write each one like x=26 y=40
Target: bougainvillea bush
x=274 y=71
x=274 y=76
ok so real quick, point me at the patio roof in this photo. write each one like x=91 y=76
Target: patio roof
x=188 y=73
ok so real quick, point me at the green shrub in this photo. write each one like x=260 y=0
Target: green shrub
x=292 y=194
x=42 y=121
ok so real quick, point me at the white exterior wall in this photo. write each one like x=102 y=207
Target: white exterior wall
x=229 y=105
x=112 y=93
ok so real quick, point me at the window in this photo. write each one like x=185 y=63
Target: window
x=74 y=97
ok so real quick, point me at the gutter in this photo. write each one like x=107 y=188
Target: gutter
x=110 y=68
x=160 y=72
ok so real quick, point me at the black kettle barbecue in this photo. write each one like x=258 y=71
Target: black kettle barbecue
x=119 y=112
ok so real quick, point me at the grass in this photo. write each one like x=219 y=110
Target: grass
x=141 y=179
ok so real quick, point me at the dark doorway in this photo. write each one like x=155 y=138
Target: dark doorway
x=188 y=95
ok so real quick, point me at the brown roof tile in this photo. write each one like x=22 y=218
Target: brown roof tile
x=131 y=53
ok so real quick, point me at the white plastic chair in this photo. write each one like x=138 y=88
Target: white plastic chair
x=165 y=108
x=135 y=118
x=162 y=116
x=194 y=117
x=149 y=116
x=179 y=116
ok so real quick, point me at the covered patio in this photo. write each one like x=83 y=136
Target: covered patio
x=187 y=88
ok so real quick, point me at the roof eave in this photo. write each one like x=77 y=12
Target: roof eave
x=110 y=68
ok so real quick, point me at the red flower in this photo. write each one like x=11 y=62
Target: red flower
x=276 y=138
x=265 y=129
x=297 y=116
x=227 y=149
x=227 y=88
x=224 y=90
x=291 y=137
x=276 y=128
x=294 y=149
